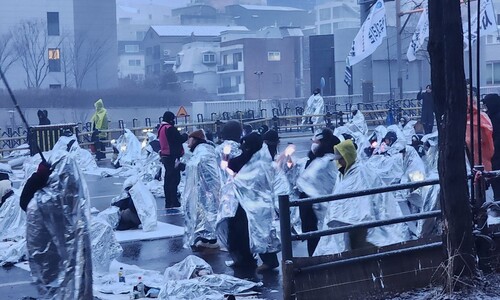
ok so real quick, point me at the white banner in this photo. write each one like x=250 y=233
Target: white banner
x=488 y=23
x=370 y=35
x=419 y=36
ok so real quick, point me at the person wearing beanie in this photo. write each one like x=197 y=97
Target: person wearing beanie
x=245 y=224
x=272 y=140
x=317 y=179
x=201 y=193
x=354 y=176
x=171 y=151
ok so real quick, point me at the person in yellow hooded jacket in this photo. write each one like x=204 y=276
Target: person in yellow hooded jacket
x=99 y=123
x=353 y=176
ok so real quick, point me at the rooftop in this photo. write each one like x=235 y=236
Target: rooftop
x=180 y=30
x=275 y=8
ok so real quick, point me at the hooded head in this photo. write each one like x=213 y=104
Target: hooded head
x=272 y=140
x=251 y=143
x=390 y=138
x=323 y=142
x=169 y=117
x=231 y=131
x=346 y=154
x=99 y=105
x=41 y=114
x=492 y=102
x=316 y=91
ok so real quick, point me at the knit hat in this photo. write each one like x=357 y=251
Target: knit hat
x=198 y=134
x=168 y=116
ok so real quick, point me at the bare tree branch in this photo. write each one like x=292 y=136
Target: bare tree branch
x=7 y=53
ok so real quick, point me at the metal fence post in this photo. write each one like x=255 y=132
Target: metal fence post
x=286 y=246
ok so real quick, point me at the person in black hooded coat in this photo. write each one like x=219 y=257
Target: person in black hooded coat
x=323 y=143
x=492 y=102
x=43 y=118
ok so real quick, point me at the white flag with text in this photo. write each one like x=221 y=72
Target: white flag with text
x=419 y=36
x=370 y=35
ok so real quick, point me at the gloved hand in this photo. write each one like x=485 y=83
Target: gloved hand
x=44 y=169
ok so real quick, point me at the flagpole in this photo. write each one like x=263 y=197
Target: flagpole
x=478 y=79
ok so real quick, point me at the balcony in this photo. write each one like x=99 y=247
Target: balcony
x=236 y=67
x=236 y=89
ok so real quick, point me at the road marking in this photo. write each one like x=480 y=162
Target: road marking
x=14 y=283
x=104 y=196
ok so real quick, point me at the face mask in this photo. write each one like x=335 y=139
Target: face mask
x=314 y=147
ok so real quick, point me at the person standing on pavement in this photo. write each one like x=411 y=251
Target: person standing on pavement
x=492 y=103
x=427 y=117
x=244 y=221
x=56 y=202
x=99 y=123
x=171 y=151
x=231 y=135
x=317 y=179
x=43 y=117
x=315 y=106
x=201 y=192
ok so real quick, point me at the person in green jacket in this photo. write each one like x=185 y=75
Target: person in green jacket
x=99 y=123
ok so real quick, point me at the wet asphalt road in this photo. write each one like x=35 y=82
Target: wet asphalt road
x=15 y=283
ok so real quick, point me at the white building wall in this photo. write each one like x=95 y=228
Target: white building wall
x=13 y=13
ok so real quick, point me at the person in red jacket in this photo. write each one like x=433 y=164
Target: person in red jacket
x=170 y=152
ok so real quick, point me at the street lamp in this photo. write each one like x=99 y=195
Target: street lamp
x=259 y=73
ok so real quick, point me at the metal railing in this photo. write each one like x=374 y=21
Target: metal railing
x=290 y=271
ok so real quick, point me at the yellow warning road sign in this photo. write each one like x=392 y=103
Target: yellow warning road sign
x=182 y=112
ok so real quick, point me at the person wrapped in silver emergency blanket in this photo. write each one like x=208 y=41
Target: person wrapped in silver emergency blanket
x=230 y=147
x=201 y=192
x=354 y=176
x=317 y=179
x=12 y=218
x=57 y=233
x=244 y=221
x=315 y=106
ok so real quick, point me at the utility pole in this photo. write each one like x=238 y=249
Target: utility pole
x=398 y=46
x=259 y=73
x=367 y=67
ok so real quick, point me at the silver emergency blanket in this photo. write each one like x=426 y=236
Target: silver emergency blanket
x=409 y=130
x=190 y=267
x=232 y=150
x=360 y=209
x=129 y=149
x=208 y=287
x=12 y=252
x=21 y=150
x=358 y=136
x=110 y=215
x=314 y=106
x=358 y=123
x=57 y=233
x=252 y=188
x=83 y=157
x=12 y=219
x=318 y=179
x=145 y=204
x=201 y=195
x=105 y=247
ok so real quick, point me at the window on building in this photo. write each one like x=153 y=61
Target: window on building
x=325 y=29
x=53 y=23
x=140 y=35
x=54 y=60
x=238 y=80
x=226 y=81
x=273 y=56
x=131 y=48
x=325 y=14
x=493 y=72
x=492 y=39
x=277 y=78
x=498 y=18
x=149 y=51
x=156 y=52
x=124 y=20
x=209 y=58
x=156 y=69
x=134 y=62
x=237 y=57
x=55 y=86
x=224 y=60
x=150 y=16
x=149 y=69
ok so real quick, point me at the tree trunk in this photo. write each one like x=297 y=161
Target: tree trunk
x=449 y=92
